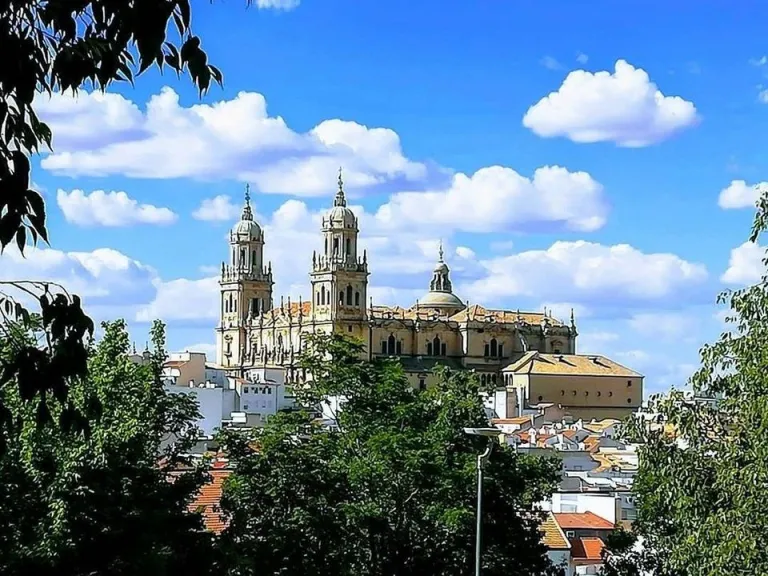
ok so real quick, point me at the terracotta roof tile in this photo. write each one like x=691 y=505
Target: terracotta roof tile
x=539 y=363
x=587 y=548
x=582 y=521
x=553 y=537
x=207 y=501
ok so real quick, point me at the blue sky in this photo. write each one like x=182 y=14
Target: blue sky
x=634 y=237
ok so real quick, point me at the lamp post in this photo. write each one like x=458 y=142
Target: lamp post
x=481 y=460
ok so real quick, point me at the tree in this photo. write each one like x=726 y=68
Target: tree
x=392 y=491
x=700 y=491
x=61 y=45
x=112 y=502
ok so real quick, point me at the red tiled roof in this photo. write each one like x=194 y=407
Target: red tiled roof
x=207 y=501
x=587 y=548
x=582 y=521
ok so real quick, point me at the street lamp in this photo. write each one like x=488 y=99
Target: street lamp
x=481 y=460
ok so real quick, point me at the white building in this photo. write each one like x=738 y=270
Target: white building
x=215 y=404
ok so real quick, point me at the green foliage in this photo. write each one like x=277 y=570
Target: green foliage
x=392 y=491
x=74 y=504
x=700 y=496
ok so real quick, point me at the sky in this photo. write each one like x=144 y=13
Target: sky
x=583 y=155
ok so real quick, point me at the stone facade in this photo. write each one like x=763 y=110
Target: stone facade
x=438 y=329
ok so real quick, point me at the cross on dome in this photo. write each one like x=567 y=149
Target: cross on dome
x=247 y=212
x=340 y=199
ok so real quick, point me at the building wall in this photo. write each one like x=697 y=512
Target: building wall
x=215 y=404
x=604 y=505
x=561 y=558
x=624 y=394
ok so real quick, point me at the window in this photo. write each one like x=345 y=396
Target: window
x=341 y=298
x=349 y=247
x=349 y=295
x=570 y=534
x=629 y=400
x=391 y=344
x=429 y=348
x=482 y=379
x=487 y=351
x=383 y=346
x=245 y=389
x=562 y=392
x=245 y=406
x=436 y=345
x=610 y=393
x=255 y=305
x=253 y=259
x=629 y=383
x=493 y=379
x=422 y=384
x=556 y=350
x=443 y=350
x=501 y=350
x=629 y=514
x=574 y=392
x=349 y=328
x=586 y=392
x=399 y=347
x=335 y=245
x=318 y=298
x=494 y=347
x=243 y=260
x=322 y=294
x=357 y=298
x=326 y=246
x=541 y=398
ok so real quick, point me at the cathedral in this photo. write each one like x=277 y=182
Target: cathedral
x=530 y=354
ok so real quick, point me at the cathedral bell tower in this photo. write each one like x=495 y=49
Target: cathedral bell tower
x=246 y=288
x=339 y=274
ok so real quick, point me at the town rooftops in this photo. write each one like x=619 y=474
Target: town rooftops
x=207 y=501
x=587 y=549
x=569 y=364
x=554 y=538
x=582 y=521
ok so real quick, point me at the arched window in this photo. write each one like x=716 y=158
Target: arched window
x=341 y=298
x=317 y=298
x=482 y=379
x=391 y=344
x=501 y=350
x=231 y=305
x=494 y=347
x=357 y=298
x=429 y=348
x=436 y=345
x=253 y=258
x=487 y=351
x=349 y=295
x=442 y=349
x=349 y=247
x=399 y=347
x=243 y=260
x=493 y=378
x=326 y=246
x=383 y=346
x=322 y=294
x=279 y=340
x=335 y=245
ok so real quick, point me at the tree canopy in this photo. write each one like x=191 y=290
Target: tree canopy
x=76 y=504
x=390 y=491
x=700 y=491
x=59 y=46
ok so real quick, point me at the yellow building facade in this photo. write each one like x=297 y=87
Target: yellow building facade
x=439 y=328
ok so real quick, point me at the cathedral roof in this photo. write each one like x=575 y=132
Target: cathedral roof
x=477 y=313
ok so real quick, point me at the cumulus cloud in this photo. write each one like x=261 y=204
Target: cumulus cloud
x=110 y=209
x=216 y=209
x=499 y=199
x=183 y=300
x=666 y=325
x=582 y=58
x=738 y=194
x=745 y=265
x=587 y=272
x=106 y=134
x=551 y=63
x=623 y=107
x=207 y=348
x=277 y=4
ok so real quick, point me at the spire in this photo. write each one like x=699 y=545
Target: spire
x=247 y=212
x=440 y=251
x=340 y=200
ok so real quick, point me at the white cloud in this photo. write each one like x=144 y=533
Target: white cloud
x=206 y=348
x=183 y=299
x=106 y=134
x=586 y=272
x=277 y=4
x=550 y=63
x=562 y=310
x=745 y=265
x=497 y=198
x=466 y=253
x=739 y=194
x=762 y=61
x=582 y=58
x=218 y=208
x=112 y=209
x=763 y=96
x=665 y=325
x=623 y=107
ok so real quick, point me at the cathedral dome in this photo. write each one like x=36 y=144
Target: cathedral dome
x=340 y=216
x=441 y=300
x=247 y=228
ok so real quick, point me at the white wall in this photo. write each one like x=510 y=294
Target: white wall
x=215 y=404
x=604 y=505
x=561 y=558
